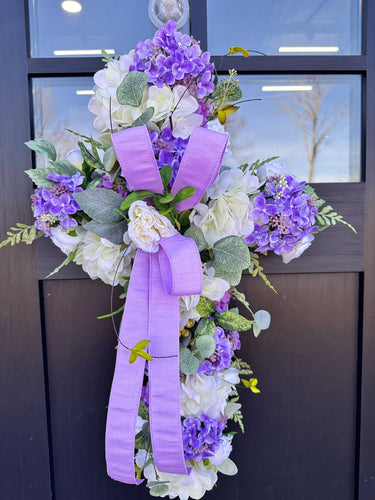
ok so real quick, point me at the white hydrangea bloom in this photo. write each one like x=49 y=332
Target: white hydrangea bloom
x=147 y=226
x=207 y=393
x=63 y=240
x=161 y=99
x=102 y=259
x=184 y=118
x=106 y=82
x=194 y=485
x=223 y=451
x=271 y=170
x=213 y=288
x=227 y=214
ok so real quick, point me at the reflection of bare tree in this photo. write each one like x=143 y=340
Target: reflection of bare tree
x=307 y=112
x=49 y=125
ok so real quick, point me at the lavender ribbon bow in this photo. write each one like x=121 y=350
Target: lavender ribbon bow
x=152 y=307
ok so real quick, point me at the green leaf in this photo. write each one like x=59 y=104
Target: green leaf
x=206 y=307
x=21 y=233
x=231 y=256
x=166 y=175
x=38 y=176
x=205 y=327
x=92 y=184
x=43 y=147
x=144 y=118
x=135 y=196
x=100 y=204
x=166 y=199
x=64 y=167
x=184 y=194
x=196 y=234
x=143 y=354
x=69 y=259
x=142 y=411
x=133 y=357
x=112 y=231
x=130 y=90
x=206 y=345
x=232 y=321
x=189 y=364
x=184 y=220
x=141 y=344
x=142 y=441
x=159 y=490
x=89 y=158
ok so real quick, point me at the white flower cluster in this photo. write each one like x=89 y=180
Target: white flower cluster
x=110 y=115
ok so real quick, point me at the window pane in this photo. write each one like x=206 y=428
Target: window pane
x=315 y=132
x=57 y=106
x=294 y=26
x=99 y=25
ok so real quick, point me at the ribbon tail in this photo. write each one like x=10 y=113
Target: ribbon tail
x=164 y=379
x=128 y=378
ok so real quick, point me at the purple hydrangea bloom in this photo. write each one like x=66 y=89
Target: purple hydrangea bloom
x=168 y=150
x=222 y=305
x=56 y=204
x=285 y=214
x=171 y=57
x=222 y=357
x=201 y=437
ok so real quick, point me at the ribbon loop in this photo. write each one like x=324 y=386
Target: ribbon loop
x=152 y=308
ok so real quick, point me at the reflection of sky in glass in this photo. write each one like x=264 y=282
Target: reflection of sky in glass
x=56 y=107
x=266 y=25
x=266 y=128
x=259 y=130
x=109 y=24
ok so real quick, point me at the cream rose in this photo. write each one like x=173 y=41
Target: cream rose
x=147 y=226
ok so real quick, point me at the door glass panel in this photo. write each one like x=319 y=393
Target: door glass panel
x=315 y=132
x=61 y=103
x=285 y=26
x=111 y=25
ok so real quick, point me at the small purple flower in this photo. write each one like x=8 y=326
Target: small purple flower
x=222 y=357
x=201 y=437
x=168 y=150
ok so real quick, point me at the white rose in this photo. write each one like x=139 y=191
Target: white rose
x=184 y=118
x=147 y=226
x=161 y=99
x=63 y=240
x=207 y=393
x=232 y=182
x=298 y=250
x=102 y=259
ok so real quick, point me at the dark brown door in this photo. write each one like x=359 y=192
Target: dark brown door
x=310 y=434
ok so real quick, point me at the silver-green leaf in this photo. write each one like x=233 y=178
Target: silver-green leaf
x=189 y=364
x=100 y=204
x=144 y=118
x=205 y=327
x=196 y=234
x=206 y=345
x=39 y=176
x=43 y=147
x=112 y=231
x=130 y=90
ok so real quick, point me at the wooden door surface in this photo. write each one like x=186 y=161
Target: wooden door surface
x=309 y=435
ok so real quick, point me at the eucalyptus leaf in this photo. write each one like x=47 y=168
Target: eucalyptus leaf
x=159 y=490
x=232 y=277
x=189 y=364
x=112 y=231
x=231 y=254
x=130 y=90
x=43 y=147
x=100 y=204
x=205 y=327
x=232 y=321
x=206 y=345
x=206 y=307
x=196 y=234
x=144 y=118
x=142 y=411
x=142 y=442
x=39 y=176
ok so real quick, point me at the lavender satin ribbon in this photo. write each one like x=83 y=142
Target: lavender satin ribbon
x=152 y=307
